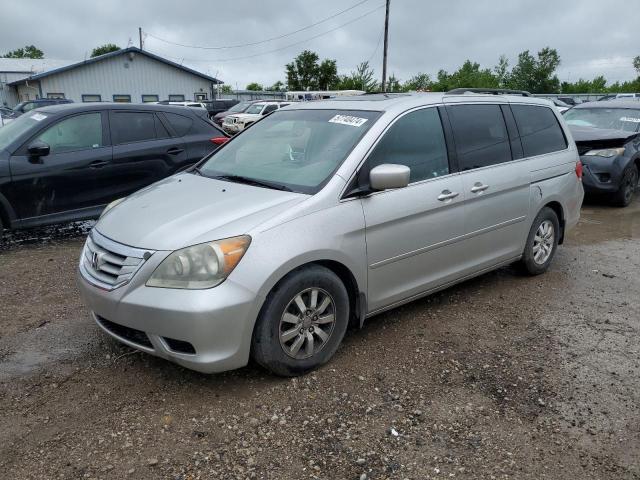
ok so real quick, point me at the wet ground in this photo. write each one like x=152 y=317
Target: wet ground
x=503 y=376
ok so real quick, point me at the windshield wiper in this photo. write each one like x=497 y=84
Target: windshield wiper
x=252 y=181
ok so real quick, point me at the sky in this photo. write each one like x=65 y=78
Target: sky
x=424 y=35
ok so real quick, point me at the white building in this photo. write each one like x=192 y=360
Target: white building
x=128 y=75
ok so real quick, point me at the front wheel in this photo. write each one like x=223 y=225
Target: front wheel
x=302 y=322
x=542 y=242
x=628 y=185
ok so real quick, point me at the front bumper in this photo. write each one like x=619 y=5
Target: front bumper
x=231 y=128
x=204 y=330
x=601 y=175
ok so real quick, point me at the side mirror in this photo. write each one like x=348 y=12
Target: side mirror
x=389 y=175
x=38 y=149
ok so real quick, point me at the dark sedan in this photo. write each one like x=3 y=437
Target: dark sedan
x=66 y=162
x=608 y=138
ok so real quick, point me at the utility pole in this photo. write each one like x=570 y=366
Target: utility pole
x=140 y=36
x=386 y=46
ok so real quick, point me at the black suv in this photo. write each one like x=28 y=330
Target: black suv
x=66 y=162
x=26 y=106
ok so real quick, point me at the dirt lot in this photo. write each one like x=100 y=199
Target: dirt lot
x=501 y=377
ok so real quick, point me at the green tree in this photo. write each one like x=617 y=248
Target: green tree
x=302 y=73
x=29 y=51
x=597 y=85
x=419 y=82
x=636 y=64
x=363 y=78
x=255 y=87
x=226 y=89
x=536 y=75
x=106 y=48
x=328 y=75
x=393 y=84
x=277 y=87
x=501 y=71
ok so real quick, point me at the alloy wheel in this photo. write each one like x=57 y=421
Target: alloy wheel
x=307 y=323
x=543 y=242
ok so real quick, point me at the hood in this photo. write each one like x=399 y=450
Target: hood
x=591 y=134
x=188 y=209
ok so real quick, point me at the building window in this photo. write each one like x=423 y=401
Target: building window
x=176 y=98
x=122 y=98
x=91 y=98
x=199 y=97
x=55 y=95
x=150 y=98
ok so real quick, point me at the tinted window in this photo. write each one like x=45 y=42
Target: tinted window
x=415 y=140
x=75 y=133
x=129 y=127
x=480 y=135
x=180 y=123
x=161 y=131
x=539 y=129
x=269 y=109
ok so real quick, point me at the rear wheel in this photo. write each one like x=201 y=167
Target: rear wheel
x=302 y=322
x=628 y=185
x=542 y=242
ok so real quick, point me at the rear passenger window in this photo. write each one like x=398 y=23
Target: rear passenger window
x=127 y=127
x=415 y=140
x=539 y=129
x=480 y=135
x=180 y=123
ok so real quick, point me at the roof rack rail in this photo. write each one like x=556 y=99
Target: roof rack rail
x=489 y=91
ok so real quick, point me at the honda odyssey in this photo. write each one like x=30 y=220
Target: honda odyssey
x=324 y=214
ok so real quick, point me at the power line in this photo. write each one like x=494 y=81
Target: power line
x=377 y=47
x=289 y=45
x=223 y=47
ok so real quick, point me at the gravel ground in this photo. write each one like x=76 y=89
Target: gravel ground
x=500 y=377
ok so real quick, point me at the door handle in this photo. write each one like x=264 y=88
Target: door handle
x=447 y=195
x=479 y=187
x=98 y=163
x=175 y=151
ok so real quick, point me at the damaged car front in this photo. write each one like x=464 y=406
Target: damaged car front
x=607 y=135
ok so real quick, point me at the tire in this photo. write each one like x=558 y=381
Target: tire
x=281 y=336
x=533 y=261
x=624 y=196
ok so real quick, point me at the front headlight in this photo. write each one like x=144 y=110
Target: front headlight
x=110 y=206
x=606 y=152
x=200 y=266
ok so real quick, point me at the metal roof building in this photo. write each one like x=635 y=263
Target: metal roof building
x=127 y=75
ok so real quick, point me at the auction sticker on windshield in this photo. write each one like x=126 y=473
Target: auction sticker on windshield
x=630 y=119
x=348 y=120
x=38 y=117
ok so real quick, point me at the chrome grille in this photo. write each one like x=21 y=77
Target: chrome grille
x=108 y=264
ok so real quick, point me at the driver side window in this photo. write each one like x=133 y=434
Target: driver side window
x=80 y=132
x=415 y=140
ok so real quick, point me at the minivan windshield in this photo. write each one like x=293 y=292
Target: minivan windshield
x=17 y=127
x=626 y=119
x=295 y=150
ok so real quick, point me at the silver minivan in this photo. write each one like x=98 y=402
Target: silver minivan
x=323 y=214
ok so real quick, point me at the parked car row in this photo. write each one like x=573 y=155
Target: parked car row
x=236 y=122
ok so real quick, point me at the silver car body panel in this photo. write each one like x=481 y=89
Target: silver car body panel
x=397 y=245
